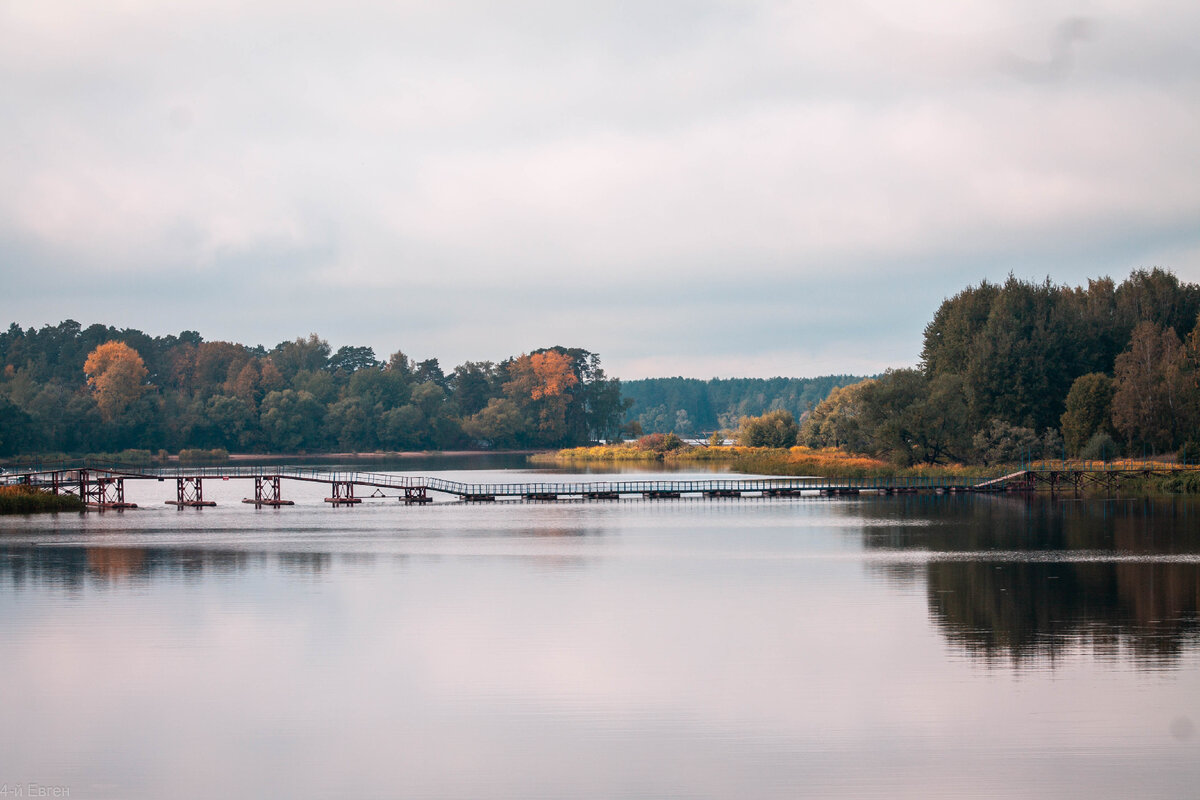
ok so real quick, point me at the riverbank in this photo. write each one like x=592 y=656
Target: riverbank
x=832 y=462
x=207 y=457
x=790 y=461
x=31 y=500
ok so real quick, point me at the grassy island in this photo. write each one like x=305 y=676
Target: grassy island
x=31 y=500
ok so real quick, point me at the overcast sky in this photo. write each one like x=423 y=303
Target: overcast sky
x=686 y=188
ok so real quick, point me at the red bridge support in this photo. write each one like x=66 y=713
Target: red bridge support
x=266 y=493
x=343 y=494
x=416 y=494
x=103 y=492
x=189 y=493
x=66 y=482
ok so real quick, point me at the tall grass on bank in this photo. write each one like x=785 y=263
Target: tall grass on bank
x=600 y=453
x=32 y=500
x=823 y=462
x=835 y=463
x=217 y=455
x=1181 y=483
x=653 y=447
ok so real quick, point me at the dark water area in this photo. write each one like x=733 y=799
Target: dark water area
x=941 y=646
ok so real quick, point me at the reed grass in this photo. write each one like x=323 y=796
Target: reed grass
x=32 y=500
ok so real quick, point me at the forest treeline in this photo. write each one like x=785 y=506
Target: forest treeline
x=69 y=389
x=1010 y=371
x=689 y=406
x=1025 y=370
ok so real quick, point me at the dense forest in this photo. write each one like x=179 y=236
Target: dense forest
x=1026 y=370
x=69 y=389
x=1008 y=372
x=689 y=407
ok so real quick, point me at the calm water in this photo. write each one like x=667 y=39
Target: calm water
x=884 y=647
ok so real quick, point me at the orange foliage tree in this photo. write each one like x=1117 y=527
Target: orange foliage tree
x=117 y=376
x=540 y=382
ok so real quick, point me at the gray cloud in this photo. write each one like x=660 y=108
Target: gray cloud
x=727 y=187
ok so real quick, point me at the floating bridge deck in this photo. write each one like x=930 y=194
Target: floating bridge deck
x=103 y=486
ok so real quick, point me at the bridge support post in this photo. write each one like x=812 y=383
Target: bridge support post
x=267 y=493
x=189 y=493
x=104 y=492
x=416 y=494
x=343 y=494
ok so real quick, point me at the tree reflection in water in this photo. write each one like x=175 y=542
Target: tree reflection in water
x=1030 y=579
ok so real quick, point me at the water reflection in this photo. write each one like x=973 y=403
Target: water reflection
x=1037 y=610
x=1032 y=578
x=115 y=563
x=1008 y=578
x=305 y=563
x=73 y=567
x=801 y=648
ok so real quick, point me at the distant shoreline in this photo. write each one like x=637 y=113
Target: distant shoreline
x=377 y=455
x=380 y=456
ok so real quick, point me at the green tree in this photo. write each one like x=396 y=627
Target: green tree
x=379 y=389
x=232 y=421
x=1089 y=410
x=1157 y=296
x=318 y=383
x=1185 y=373
x=16 y=429
x=902 y=415
x=311 y=354
x=291 y=420
x=403 y=428
x=473 y=384
x=951 y=335
x=1147 y=394
x=604 y=408
x=904 y=424
x=1001 y=442
x=499 y=424
x=774 y=429
x=429 y=371
x=1011 y=373
x=840 y=420
x=350 y=425
x=348 y=360
x=938 y=422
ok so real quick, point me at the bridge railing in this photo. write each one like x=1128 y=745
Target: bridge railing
x=458 y=488
x=392 y=480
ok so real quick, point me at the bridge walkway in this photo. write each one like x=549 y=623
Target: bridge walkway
x=102 y=485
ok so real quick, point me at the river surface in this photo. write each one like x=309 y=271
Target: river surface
x=904 y=647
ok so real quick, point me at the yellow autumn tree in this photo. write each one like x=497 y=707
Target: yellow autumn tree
x=117 y=376
x=541 y=375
